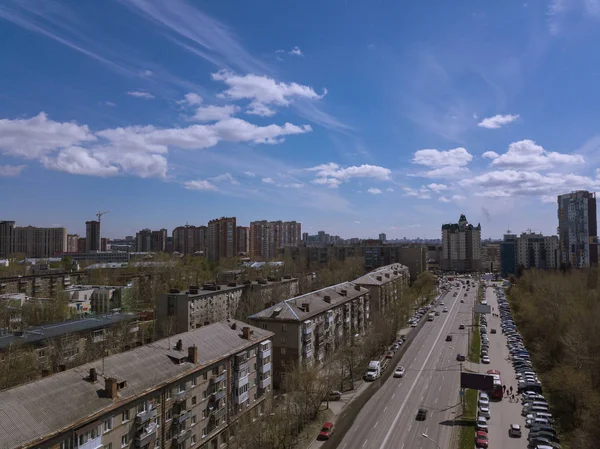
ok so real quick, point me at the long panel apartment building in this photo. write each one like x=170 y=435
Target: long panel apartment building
x=310 y=327
x=188 y=391
x=385 y=285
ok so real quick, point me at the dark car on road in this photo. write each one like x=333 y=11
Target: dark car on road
x=460 y=358
x=448 y=337
x=421 y=414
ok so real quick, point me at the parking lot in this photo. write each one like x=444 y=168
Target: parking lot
x=504 y=413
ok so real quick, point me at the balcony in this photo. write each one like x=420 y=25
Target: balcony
x=183 y=416
x=93 y=443
x=184 y=435
x=218 y=414
x=307 y=352
x=219 y=378
x=217 y=395
x=181 y=396
x=264 y=368
x=243 y=366
x=307 y=330
x=147 y=436
x=241 y=398
x=241 y=381
x=263 y=384
x=144 y=417
x=264 y=353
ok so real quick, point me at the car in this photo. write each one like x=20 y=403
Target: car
x=421 y=414
x=334 y=395
x=485 y=412
x=485 y=359
x=461 y=326
x=493 y=331
x=462 y=301
x=326 y=431
x=481 y=439
x=442 y=303
x=389 y=355
x=481 y=424
x=437 y=313
x=514 y=431
x=460 y=358
x=399 y=372
x=448 y=337
x=483 y=401
x=413 y=325
x=445 y=310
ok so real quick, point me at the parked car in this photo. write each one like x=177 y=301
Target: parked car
x=334 y=395
x=481 y=439
x=461 y=326
x=460 y=358
x=514 y=431
x=326 y=431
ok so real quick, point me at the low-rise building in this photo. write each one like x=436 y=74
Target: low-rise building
x=102 y=298
x=310 y=327
x=186 y=391
x=385 y=285
x=99 y=256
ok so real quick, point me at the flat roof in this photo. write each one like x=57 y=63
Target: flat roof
x=53 y=330
x=293 y=309
x=28 y=413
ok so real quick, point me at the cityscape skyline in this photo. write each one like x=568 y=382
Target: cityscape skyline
x=396 y=123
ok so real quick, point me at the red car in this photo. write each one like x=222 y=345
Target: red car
x=326 y=431
x=389 y=355
x=481 y=439
x=493 y=371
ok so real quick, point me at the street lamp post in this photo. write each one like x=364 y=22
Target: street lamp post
x=424 y=435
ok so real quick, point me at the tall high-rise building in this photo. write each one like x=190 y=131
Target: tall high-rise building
x=266 y=237
x=81 y=245
x=143 y=241
x=508 y=254
x=578 y=229
x=461 y=246
x=243 y=240
x=382 y=237
x=189 y=239
x=159 y=240
x=72 y=243
x=221 y=238
x=40 y=242
x=537 y=251
x=7 y=238
x=305 y=237
x=92 y=236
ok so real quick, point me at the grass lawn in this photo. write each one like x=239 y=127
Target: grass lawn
x=467 y=422
x=475 y=348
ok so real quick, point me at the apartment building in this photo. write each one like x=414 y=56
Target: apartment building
x=103 y=298
x=490 y=257
x=147 y=240
x=221 y=238
x=537 y=251
x=310 y=327
x=184 y=310
x=7 y=238
x=40 y=242
x=412 y=256
x=461 y=246
x=266 y=237
x=508 y=254
x=188 y=391
x=92 y=236
x=72 y=243
x=243 y=239
x=578 y=229
x=189 y=239
x=385 y=285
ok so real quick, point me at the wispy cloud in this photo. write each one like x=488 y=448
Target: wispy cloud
x=141 y=94
x=201 y=184
x=497 y=121
x=374 y=191
x=10 y=171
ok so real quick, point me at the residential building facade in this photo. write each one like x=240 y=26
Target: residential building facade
x=92 y=236
x=461 y=246
x=189 y=239
x=72 y=243
x=508 y=255
x=310 y=327
x=386 y=285
x=7 y=238
x=243 y=239
x=188 y=391
x=490 y=257
x=151 y=241
x=537 y=251
x=221 y=238
x=40 y=242
x=578 y=229
x=267 y=237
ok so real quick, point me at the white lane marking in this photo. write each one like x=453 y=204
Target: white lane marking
x=402 y=446
x=412 y=387
x=376 y=424
x=365 y=443
x=344 y=446
x=393 y=395
x=385 y=408
x=440 y=389
x=410 y=428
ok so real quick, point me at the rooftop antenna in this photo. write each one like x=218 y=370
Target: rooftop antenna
x=99 y=215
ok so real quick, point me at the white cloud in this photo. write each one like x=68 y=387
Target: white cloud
x=268 y=180
x=443 y=199
x=437 y=188
x=140 y=94
x=389 y=189
x=514 y=183
x=147 y=73
x=374 y=191
x=448 y=172
x=201 y=184
x=214 y=113
x=225 y=177
x=31 y=138
x=497 y=121
x=249 y=173
x=191 y=99
x=458 y=157
x=296 y=51
x=490 y=155
x=77 y=160
x=458 y=197
x=333 y=175
x=356 y=221
x=422 y=193
x=293 y=185
x=528 y=155
x=109 y=103
x=10 y=171
x=263 y=91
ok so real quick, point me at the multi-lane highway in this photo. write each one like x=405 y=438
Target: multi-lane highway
x=387 y=421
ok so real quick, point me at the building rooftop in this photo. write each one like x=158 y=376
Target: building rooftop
x=49 y=331
x=28 y=413
x=294 y=309
x=394 y=271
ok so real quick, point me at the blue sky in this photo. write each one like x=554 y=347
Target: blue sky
x=352 y=117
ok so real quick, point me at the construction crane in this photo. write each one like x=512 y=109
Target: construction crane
x=99 y=215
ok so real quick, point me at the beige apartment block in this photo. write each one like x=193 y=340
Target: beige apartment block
x=310 y=327
x=187 y=391
x=385 y=285
x=40 y=242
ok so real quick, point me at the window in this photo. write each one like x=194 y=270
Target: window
x=107 y=425
x=204 y=412
x=215 y=371
x=194 y=420
x=284 y=328
x=204 y=394
x=125 y=416
x=264 y=325
x=194 y=381
x=124 y=440
x=157 y=443
x=41 y=353
x=205 y=375
x=283 y=339
x=193 y=439
x=282 y=351
x=194 y=400
x=169 y=394
x=141 y=408
x=204 y=432
x=169 y=414
x=107 y=446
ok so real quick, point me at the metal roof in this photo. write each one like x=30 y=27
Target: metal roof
x=371 y=278
x=32 y=412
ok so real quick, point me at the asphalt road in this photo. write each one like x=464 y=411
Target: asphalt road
x=432 y=380
x=503 y=413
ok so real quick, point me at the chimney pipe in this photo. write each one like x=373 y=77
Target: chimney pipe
x=327 y=299
x=306 y=306
x=111 y=387
x=246 y=332
x=193 y=354
x=357 y=288
x=379 y=278
x=93 y=375
x=179 y=345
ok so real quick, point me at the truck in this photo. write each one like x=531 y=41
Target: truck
x=374 y=370
x=431 y=316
